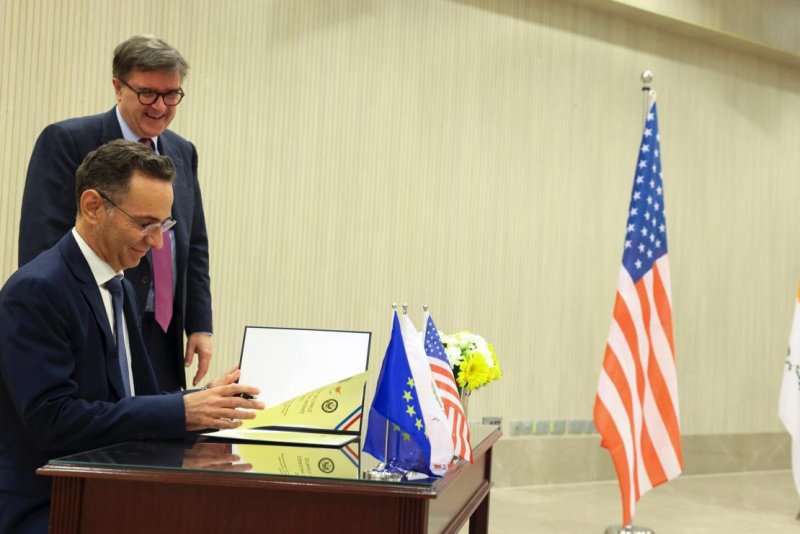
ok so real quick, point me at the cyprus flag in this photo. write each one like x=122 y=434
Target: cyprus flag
x=789 y=404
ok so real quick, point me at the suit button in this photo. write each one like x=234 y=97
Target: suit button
x=145 y=280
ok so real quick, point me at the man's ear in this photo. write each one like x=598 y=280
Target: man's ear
x=117 y=88
x=90 y=205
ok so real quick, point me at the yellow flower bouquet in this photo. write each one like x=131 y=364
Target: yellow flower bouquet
x=473 y=360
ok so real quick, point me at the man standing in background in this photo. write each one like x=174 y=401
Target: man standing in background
x=172 y=284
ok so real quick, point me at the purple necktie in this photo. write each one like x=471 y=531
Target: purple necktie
x=162 y=273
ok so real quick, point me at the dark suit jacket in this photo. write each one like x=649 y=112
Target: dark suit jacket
x=61 y=388
x=49 y=207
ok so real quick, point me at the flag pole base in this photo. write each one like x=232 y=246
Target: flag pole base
x=382 y=472
x=630 y=529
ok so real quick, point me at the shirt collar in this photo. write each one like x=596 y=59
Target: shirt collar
x=101 y=271
x=129 y=134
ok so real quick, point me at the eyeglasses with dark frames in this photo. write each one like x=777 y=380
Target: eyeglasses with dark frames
x=148 y=97
x=147 y=229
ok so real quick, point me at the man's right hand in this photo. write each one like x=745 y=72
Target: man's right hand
x=220 y=407
x=214 y=456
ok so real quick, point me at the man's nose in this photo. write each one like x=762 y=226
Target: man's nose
x=155 y=240
x=159 y=104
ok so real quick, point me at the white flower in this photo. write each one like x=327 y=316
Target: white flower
x=474 y=344
x=454 y=355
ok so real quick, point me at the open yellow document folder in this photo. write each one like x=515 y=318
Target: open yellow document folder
x=329 y=416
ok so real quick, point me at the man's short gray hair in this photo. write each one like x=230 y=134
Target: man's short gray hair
x=147 y=53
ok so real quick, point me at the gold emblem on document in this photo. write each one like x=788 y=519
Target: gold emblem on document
x=326 y=465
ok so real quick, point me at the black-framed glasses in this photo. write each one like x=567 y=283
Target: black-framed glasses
x=148 y=97
x=147 y=229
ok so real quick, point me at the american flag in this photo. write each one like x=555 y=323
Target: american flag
x=636 y=409
x=448 y=392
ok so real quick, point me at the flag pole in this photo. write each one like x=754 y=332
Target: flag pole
x=383 y=465
x=647 y=79
x=647 y=92
x=382 y=471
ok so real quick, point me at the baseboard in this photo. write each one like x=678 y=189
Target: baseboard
x=531 y=460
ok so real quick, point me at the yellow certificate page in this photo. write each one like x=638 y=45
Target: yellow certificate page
x=336 y=407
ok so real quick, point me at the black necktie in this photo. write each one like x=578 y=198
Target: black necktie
x=114 y=287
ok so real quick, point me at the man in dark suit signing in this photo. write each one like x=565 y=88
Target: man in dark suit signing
x=172 y=284
x=74 y=372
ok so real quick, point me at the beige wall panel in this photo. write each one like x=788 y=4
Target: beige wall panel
x=475 y=156
x=769 y=22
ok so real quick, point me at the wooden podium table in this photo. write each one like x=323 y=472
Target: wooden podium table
x=204 y=487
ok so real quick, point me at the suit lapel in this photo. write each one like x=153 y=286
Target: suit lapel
x=88 y=286
x=110 y=129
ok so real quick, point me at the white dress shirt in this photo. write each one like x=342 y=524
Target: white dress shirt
x=102 y=273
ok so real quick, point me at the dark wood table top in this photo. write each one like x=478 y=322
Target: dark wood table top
x=255 y=464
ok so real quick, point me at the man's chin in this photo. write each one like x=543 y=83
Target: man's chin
x=131 y=265
x=154 y=127
x=133 y=261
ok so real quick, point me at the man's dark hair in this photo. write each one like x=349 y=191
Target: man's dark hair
x=146 y=53
x=109 y=168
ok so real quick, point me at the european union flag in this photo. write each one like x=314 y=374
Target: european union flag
x=404 y=443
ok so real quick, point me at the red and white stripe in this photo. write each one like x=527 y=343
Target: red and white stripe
x=448 y=393
x=636 y=409
x=352 y=421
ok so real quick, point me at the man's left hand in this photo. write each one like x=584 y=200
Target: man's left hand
x=198 y=343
